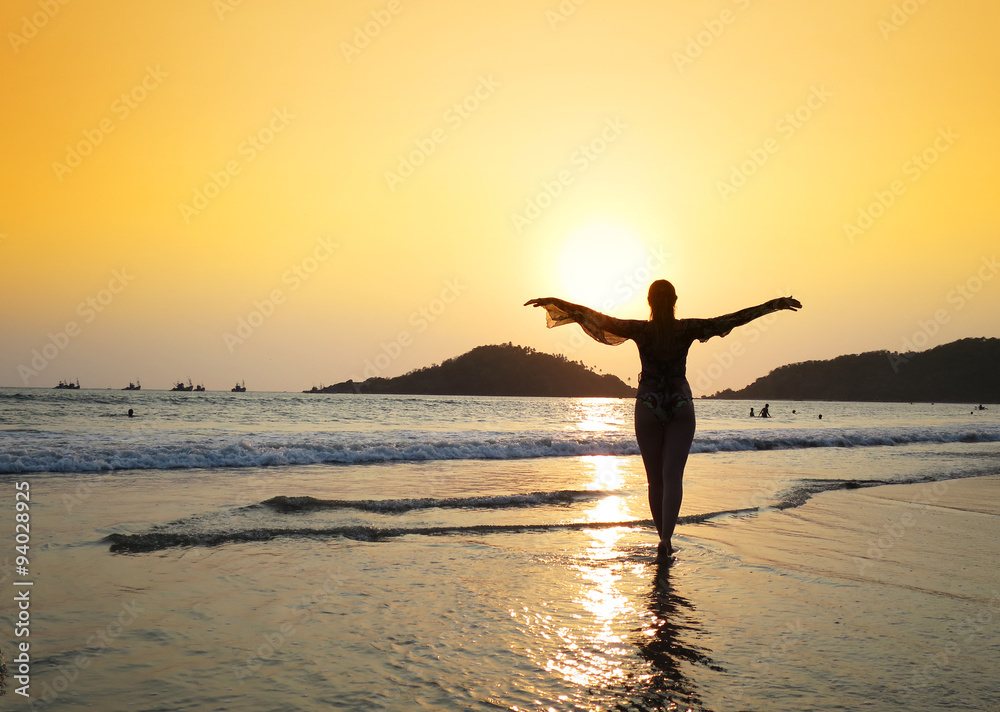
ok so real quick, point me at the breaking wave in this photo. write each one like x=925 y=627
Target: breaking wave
x=38 y=454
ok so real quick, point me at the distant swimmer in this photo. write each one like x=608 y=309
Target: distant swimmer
x=793 y=411
x=130 y=413
x=751 y=413
x=765 y=412
x=821 y=416
x=664 y=408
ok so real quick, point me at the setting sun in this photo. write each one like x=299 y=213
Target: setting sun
x=605 y=267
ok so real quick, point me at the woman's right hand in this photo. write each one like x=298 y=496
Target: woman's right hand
x=540 y=302
x=789 y=303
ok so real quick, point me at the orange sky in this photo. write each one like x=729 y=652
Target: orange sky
x=300 y=193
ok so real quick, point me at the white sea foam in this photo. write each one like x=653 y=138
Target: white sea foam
x=41 y=452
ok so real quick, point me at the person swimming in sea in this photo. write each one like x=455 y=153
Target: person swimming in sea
x=765 y=412
x=664 y=406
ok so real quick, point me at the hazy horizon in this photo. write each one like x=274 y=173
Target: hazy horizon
x=369 y=367
x=282 y=195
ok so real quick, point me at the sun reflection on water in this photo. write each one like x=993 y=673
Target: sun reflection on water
x=603 y=472
x=596 y=644
x=599 y=414
x=605 y=632
x=606 y=473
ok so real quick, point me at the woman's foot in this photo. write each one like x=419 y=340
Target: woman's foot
x=664 y=552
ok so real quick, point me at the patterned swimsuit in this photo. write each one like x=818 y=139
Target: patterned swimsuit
x=664 y=396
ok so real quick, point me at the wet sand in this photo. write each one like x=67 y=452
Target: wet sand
x=887 y=596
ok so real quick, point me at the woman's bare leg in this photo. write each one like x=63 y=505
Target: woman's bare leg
x=665 y=451
x=676 y=446
x=651 y=435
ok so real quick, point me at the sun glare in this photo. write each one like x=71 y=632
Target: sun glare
x=604 y=267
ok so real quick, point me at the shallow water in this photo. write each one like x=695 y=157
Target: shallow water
x=494 y=575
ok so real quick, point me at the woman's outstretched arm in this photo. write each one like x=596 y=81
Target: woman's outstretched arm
x=722 y=325
x=600 y=327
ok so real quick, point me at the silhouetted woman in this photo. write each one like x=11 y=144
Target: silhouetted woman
x=664 y=409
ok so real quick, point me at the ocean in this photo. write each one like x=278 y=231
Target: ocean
x=288 y=551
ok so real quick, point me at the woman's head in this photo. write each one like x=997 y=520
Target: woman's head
x=662 y=298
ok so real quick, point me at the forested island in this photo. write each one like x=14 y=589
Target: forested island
x=964 y=371
x=496 y=370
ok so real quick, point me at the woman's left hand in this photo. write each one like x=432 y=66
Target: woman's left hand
x=789 y=303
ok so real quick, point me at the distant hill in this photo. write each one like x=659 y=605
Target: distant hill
x=964 y=371
x=499 y=370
